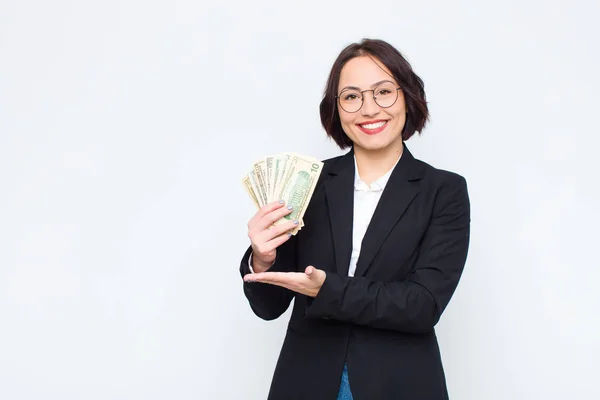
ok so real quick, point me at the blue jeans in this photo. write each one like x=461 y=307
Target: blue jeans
x=344 y=393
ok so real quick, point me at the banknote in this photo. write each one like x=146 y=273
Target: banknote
x=290 y=177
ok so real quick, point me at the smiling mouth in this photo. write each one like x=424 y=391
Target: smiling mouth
x=372 y=128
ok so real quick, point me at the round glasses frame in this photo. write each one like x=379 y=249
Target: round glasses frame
x=362 y=99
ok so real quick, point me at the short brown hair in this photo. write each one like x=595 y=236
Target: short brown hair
x=412 y=86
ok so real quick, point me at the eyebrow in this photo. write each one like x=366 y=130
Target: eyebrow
x=372 y=86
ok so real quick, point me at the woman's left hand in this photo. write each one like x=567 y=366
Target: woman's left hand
x=307 y=283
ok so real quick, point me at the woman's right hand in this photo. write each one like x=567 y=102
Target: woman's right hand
x=265 y=236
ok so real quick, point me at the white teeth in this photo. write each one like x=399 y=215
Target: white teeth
x=374 y=126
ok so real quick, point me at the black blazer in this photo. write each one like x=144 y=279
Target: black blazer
x=381 y=321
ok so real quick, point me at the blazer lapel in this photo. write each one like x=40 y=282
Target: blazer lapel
x=339 y=191
x=399 y=192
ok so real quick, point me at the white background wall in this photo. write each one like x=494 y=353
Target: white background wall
x=126 y=126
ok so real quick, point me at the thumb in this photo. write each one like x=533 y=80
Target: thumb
x=310 y=271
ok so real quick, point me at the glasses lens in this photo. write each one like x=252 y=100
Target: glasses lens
x=386 y=94
x=350 y=100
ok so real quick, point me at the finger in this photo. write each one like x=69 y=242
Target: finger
x=278 y=241
x=270 y=218
x=277 y=230
x=263 y=277
x=315 y=275
x=294 y=281
x=285 y=285
x=269 y=240
x=272 y=277
x=267 y=208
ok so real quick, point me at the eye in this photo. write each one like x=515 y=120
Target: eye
x=383 y=92
x=350 y=96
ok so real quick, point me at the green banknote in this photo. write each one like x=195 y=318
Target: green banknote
x=289 y=177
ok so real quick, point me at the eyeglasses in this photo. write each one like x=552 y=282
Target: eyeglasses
x=385 y=95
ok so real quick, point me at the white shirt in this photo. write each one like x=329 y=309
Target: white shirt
x=366 y=199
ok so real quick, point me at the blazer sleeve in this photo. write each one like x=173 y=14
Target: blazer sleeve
x=270 y=301
x=415 y=304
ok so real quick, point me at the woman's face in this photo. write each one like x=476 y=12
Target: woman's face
x=372 y=127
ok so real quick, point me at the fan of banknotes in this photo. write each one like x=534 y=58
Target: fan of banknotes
x=289 y=177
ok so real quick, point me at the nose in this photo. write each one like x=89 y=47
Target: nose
x=369 y=106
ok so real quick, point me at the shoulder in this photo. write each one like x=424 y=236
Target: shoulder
x=446 y=189
x=440 y=178
x=329 y=163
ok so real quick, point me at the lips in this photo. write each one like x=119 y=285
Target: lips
x=372 y=127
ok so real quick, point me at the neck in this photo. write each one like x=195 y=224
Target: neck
x=373 y=164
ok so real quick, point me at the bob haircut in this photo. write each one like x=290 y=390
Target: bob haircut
x=417 y=113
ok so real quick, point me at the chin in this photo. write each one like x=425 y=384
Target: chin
x=374 y=142
x=373 y=146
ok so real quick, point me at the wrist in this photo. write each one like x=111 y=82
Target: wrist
x=256 y=264
x=261 y=266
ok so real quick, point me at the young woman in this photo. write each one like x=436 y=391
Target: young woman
x=381 y=253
